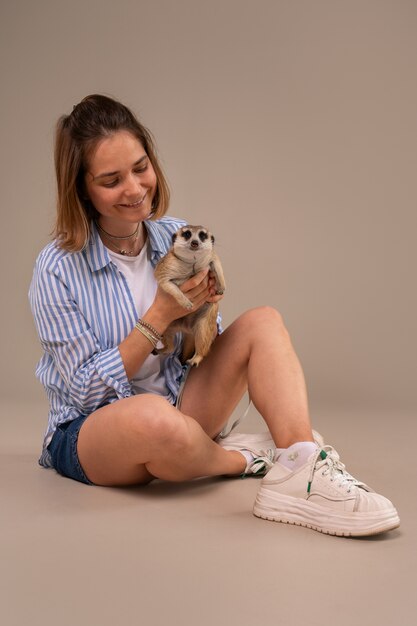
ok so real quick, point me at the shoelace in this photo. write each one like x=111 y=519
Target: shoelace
x=262 y=462
x=328 y=462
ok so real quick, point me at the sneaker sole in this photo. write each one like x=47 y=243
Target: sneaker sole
x=280 y=508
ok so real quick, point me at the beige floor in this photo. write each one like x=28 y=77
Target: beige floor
x=193 y=553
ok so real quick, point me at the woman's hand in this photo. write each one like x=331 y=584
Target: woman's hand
x=213 y=297
x=198 y=289
x=204 y=291
x=164 y=310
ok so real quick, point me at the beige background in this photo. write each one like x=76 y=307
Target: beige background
x=289 y=128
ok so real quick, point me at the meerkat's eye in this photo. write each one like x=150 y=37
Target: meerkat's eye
x=202 y=235
x=186 y=234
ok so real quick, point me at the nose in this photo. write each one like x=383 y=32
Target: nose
x=194 y=244
x=133 y=188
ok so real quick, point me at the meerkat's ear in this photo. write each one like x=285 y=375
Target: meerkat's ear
x=174 y=236
x=212 y=239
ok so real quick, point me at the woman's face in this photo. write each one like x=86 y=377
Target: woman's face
x=120 y=182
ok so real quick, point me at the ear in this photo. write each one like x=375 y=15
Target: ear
x=212 y=239
x=174 y=236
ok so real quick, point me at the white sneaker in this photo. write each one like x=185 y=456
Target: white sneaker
x=239 y=441
x=260 y=445
x=321 y=495
x=259 y=441
x=318 y=438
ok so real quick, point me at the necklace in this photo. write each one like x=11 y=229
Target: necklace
x=114 y=236
x=122 y=251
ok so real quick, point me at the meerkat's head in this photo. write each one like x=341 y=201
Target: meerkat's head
x=190 y=241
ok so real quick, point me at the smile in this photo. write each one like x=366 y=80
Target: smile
x=134 y=205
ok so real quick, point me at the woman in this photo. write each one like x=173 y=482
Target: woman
x=120 y=415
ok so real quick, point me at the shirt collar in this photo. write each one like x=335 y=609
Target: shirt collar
x=159 y=240
x=98 y=256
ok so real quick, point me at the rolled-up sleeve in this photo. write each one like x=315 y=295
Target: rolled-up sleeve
x=91 y=375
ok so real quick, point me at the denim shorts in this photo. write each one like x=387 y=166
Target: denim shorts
x=63 y=450
x=63 y=446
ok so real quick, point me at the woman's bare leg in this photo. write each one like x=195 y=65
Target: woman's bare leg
x=137 y=439
x=254 y=352
x=134 y=440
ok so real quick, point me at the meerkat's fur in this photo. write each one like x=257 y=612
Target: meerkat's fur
x=191 y=251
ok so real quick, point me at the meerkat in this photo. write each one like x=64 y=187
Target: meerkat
x=191 y=251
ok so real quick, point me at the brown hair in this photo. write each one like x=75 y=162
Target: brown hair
x=94 y=118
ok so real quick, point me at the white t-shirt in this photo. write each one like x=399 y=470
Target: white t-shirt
x=140 y=277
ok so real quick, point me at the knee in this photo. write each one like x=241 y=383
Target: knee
x=264 y=319
x=160 y=423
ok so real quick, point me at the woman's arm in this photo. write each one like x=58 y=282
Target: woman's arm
x=90 y=373
x=164 y=310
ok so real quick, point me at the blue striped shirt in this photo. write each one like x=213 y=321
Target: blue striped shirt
x=83 y=309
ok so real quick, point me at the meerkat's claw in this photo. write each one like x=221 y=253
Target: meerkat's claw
x=195 y=361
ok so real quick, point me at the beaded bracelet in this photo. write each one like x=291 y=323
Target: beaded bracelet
x=146 y=333
x=151 y=328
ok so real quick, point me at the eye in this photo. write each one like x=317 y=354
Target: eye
x=186 y=234
x=140 y=170
x=112 y=183
x=202 y=235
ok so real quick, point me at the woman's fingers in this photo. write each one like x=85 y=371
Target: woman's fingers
x=201 y=288
x=195 y=285
x=195 y=280
x=213 y=298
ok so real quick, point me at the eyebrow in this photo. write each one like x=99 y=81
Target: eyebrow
x=106 y=174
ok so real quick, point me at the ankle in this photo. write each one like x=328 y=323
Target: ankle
x=238 y=465
x=240 y=461
x=286 y=440
x=297 y=454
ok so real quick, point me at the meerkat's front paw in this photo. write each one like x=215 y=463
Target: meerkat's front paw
x=219 y=286
x=184 y=301
x=195 y=361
